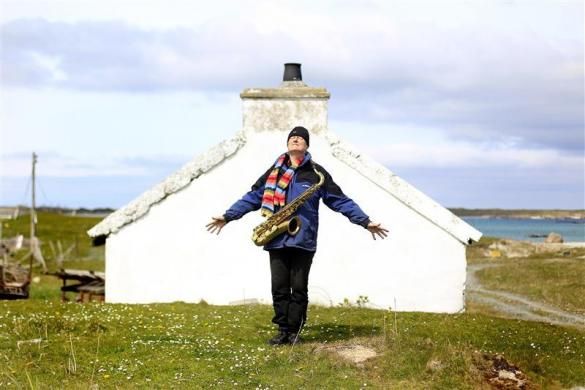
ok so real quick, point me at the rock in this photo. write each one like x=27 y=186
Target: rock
x=510 y=249
x=28 y=342
x=500 y=373
x=434 y=365
x=354 y=353
x=554 y=238
x=357 y=353
x=503 y=374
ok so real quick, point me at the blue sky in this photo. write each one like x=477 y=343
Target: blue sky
x=477 y=103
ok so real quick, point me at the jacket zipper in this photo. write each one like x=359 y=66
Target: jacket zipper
x=292 y=183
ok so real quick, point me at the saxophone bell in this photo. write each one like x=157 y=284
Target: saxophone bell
x=294 y=225
x=291 y=226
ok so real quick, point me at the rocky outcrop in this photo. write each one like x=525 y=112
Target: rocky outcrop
x=506 y=248
x=554 y=238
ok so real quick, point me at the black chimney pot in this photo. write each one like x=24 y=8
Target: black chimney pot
x=292 y=72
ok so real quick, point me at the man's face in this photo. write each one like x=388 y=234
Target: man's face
x=297 y=144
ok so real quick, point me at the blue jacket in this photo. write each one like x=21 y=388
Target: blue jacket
x=302 y=179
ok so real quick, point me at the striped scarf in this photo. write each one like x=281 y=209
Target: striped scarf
x=278 y=180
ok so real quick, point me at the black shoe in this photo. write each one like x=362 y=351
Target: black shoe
x=280 y=339
x=294 y=338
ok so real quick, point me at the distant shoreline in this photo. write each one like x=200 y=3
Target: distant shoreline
x=520 y=214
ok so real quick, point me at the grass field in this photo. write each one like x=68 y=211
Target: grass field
x=44 y=343
x=555 y=277
x=53 y=227
x=557 y=281
x=51 y=345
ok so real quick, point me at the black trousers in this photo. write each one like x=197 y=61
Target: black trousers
x=289 y=268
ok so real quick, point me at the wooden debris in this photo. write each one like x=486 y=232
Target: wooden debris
x=14 y=278
x=91 y=285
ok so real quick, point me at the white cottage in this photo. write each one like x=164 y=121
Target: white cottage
x=158 y=250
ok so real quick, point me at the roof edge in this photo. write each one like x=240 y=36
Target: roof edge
x=402 y=190
x=199 y=165
x=340 y=149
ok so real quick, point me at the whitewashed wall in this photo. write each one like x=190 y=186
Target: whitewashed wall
x=262 y=115
x=167 y=255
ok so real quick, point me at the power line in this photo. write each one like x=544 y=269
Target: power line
x=27 y=188
x=43 y=191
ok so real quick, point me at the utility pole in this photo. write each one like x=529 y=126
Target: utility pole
x=35 y=246
x=33 y=214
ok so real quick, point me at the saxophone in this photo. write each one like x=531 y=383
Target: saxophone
x=281 y=221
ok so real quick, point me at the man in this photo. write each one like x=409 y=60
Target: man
x=291 y=256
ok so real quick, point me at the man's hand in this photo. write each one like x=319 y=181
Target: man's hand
x=216 y=225
x=377 y=229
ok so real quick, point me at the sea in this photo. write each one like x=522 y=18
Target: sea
x=528 y=229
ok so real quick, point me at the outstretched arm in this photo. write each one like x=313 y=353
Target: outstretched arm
x=251 y=201
x=336 y=200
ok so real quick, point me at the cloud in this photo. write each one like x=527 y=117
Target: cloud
x=76 y=191
x=474 y=93
x=453 y=185
x=491 y=72
x=458 y=174
x=114 y=56
x=457 y=154
x=485 y=187
x=55 y=164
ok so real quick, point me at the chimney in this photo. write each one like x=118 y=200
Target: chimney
x=292 y=72
x=291 y=104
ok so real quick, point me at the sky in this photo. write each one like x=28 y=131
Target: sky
x=478 y=104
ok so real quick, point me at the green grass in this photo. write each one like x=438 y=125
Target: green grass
x=555 y=277
x=475 y=251
x=53 y=227
x=556 y=281
x=202 y=346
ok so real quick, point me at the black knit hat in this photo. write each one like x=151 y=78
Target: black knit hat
x=299 y=131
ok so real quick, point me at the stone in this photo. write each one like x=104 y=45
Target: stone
x=357 y=353
x=510 y=249
x=554 y=238
x=434 y=365
x=503 y=374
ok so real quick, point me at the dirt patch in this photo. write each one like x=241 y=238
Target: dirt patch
x=353 y=353
x=499 y=373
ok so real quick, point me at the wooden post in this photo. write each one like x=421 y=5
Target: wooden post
x=35 y=247
x=33 y=216
x=63 y=296
x=2 y=274
x=4 y=259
